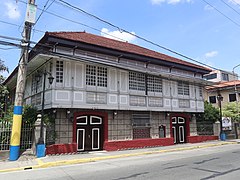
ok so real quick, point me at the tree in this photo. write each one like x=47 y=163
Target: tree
x=211 y=114
x=232 y=110
x=3 y=89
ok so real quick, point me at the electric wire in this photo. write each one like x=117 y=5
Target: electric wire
x=222 y=13
x=230 y=7
x=76 y=22
x=122 y=30
x=137 y=36
x=237 y=3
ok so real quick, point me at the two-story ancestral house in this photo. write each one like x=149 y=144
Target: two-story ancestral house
x=111 y=95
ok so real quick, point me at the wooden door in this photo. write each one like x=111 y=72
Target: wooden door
x=179 y=129
x=89 y=133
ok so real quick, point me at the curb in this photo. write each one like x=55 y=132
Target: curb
x=42 y=164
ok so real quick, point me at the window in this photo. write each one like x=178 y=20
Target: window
x=96 y=76
x=137 y=81
x=101 y=76
x=59 y=71
x=36 y=84
x=141 y=125
x=154 y=84
x=212 y=99
x=200 y=91
x=141 y=119
x=225 y=77
x=232 y=97
x=211 y=76
x=183 y=88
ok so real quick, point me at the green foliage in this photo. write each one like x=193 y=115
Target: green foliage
x=211 y=114
x=8 y=116
x=29 y=114
x=3 y=89
x=232 y=110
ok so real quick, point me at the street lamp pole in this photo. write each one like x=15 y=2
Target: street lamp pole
x=235 y=88
x=220 y=99
x=41 y=144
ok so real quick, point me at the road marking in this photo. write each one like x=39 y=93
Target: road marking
x=42 y=164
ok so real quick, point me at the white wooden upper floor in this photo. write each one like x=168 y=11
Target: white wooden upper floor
x=97 y=81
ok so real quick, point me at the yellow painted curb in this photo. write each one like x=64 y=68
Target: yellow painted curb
x=42 y=164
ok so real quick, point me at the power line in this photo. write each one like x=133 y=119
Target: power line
x=137 y=36
x=76 y=22
x=236 y=2
x=12 y=24
x=222 y=14
x=230 y=7
x=10 y=38
x=66 y=4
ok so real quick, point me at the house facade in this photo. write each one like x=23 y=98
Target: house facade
x=112 y=95
x=228 y=90
x=220 y=76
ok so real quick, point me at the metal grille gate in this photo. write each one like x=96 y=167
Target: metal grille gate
x=5 y=135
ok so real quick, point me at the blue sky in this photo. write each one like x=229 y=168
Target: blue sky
x=190 y=27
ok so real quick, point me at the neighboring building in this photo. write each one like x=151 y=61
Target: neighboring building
x=227 y=91
x=220 y=76
x=111 y=95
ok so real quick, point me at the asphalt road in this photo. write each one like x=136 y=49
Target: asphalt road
x=222 y=162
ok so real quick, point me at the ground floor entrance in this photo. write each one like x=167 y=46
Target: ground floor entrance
x=89 y=132
x=179 y=129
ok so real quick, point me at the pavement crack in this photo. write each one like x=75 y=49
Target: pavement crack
x=203 y=161
x=172 y=167
x=220 y=174
x=132 y=176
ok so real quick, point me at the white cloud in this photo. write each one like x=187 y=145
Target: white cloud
x=235 y=1
x=12 y=10
x=170 y=1
x=208 y=8
x=117 y=35
x=211 y=54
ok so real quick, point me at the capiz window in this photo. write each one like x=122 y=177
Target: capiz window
x=183 y=88
x=154 y=84
x=137 y=81
x=59 y=71
x=96 y=76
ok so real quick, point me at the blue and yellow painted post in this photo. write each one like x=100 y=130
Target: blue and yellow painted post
x=16 y=133
x=21 y=81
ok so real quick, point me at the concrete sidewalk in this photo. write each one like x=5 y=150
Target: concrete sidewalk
x=28 y=161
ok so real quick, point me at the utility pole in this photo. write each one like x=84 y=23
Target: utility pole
x=21 y=81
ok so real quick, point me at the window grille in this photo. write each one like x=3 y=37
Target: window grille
x=200 y=91
x=36 y=85
x=183 y=88
x=154 y=84
x=102 y=76
x=141 y=119
x=59 y=71
x=91 y=75
x=137 y=81
x=96 y=76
